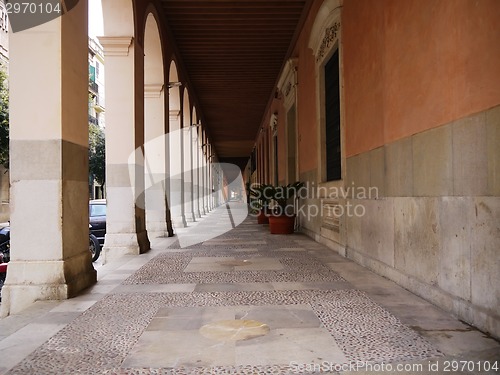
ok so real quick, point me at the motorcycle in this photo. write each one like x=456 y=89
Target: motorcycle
x=94 y=248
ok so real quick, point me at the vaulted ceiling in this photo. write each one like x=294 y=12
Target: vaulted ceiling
x=233 y=52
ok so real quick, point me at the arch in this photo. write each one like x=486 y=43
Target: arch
x=328 y=13
x=154 y=130
x=153 y=53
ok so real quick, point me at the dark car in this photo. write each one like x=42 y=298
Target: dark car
x=97 y=219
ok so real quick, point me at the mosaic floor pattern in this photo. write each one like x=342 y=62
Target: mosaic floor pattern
x=259 y=304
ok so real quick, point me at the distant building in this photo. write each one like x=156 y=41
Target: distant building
x=96 y=101
x=4 y=63
x=4 y=34
x=96 y=83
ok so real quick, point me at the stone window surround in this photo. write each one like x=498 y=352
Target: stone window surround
x=325 y=39
x=287 y=85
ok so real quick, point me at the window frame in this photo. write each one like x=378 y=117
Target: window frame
x=325 y=39
x=335 y=169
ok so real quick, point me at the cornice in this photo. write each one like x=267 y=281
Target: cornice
x=116 y=45
x=153 y=90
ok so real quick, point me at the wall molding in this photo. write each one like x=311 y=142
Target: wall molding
x=116 y=45
x=288 y=82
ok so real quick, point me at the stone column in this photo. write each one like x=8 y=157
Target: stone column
x=210 y=179
x=48 y=81
x=175 y=175
x=196 y=170
x=199 y=149
x=205 y=173
x=155 y=160
x=208 y=187
x=188 y=171
x=125 y=226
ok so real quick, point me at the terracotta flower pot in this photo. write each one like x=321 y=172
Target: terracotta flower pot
x=282 y=224
x=262 y=218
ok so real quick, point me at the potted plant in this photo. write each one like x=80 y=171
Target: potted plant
x=260 y=195
x=282 y=219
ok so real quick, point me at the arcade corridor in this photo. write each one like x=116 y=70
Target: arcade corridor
x=245 y=302
x=390 y=107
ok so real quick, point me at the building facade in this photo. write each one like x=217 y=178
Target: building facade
x=4 y=63
x=96 y=106
x=402 y=166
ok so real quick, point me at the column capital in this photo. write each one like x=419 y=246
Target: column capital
x=174 y=114
x=153 y=90
x=116 y=45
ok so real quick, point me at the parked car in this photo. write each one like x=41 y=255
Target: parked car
x=4 y=254
x=97 y=219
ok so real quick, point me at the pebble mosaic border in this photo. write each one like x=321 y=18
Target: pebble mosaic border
x=169 y=268
x=98 y=341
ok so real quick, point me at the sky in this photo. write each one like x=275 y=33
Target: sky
x=95 y=19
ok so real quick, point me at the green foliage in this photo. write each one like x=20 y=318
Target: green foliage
x=280 y=195
x=4 y=119
x=260 y=193
x=97 y=153
x=264 y=196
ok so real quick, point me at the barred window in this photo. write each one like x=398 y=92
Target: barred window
x=332 y=119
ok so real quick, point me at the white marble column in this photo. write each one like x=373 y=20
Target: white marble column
x=211 y=178
x=48 y=81
x=208 y=189
x=155 y=160
x=196 y=169
x=175 y=170
x=199 y=149
x=188 y=172
x=205 y=172
x=125 y=227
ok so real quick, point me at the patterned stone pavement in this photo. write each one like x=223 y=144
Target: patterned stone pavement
x=244 y=302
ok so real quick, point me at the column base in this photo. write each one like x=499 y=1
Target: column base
x=117 y=245
x=179 y=222
x=170 y=229
x=157 y=229
x=190 y=217
x=30 y=281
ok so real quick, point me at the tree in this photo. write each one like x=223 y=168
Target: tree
x=4 y=119
x=97 y=153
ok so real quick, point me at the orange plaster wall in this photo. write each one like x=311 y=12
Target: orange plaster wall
x=281 y=144
x=362 y=58
x=307 y=124
x=413 y=65
x=306 y=97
